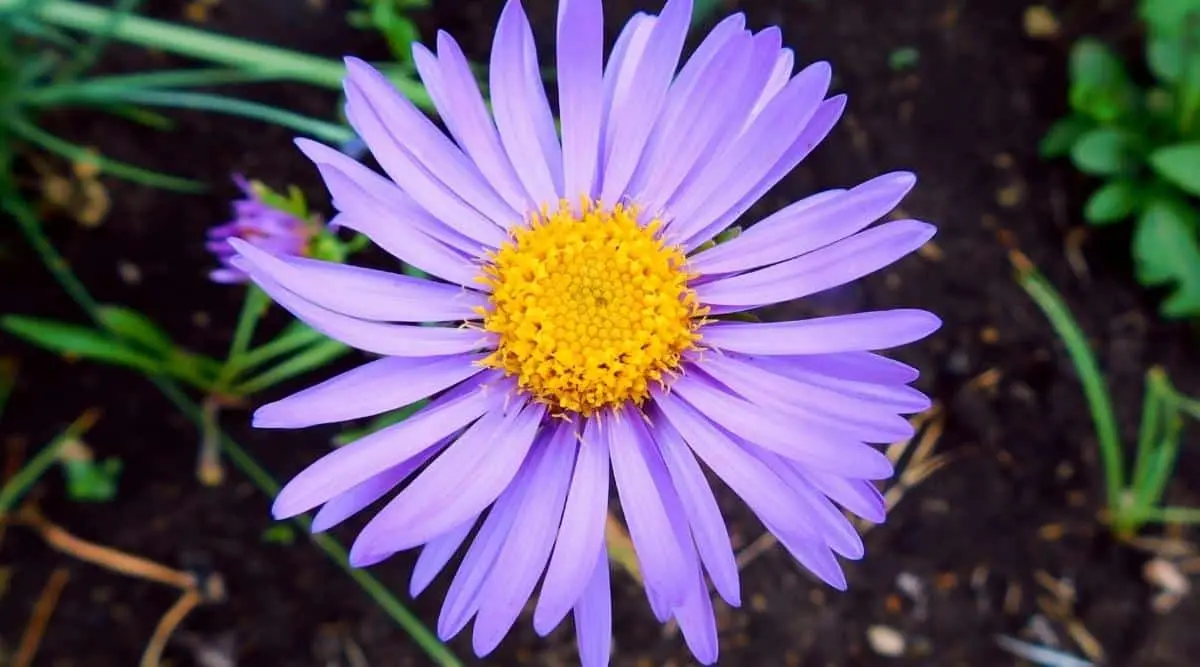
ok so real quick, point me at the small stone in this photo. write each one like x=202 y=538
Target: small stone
x=129 y=272
x=1040 y=22
x=886 y=641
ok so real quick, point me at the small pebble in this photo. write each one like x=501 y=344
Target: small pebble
x=886 y=641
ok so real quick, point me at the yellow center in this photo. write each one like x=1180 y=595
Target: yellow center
x=590 y=309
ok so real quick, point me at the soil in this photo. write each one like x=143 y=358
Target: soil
x=961 y=559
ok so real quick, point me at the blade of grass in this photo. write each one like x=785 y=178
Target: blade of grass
x=435 y=649
x=86 y=55
x=208 y=46
x=1148 y=429
x=39 y=137
x=99 y=86
x=1098 y=399
x=318 y=129
x=285 y=343
x=32 y=471
x=314 y=357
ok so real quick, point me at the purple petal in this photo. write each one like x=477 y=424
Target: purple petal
x=661 y=557
x=818 y=446
x=363 y=214
x=436 y=554
x=618 y=73
x=857 y=495
x=803 y=227
x=834 y=265
x=634 y=117
x=521 y=109
x=856 y=367
x=897 y=397
x=766 y=494
x=593 y=617
x=695 y=119
x=580 y=92
x=373 y=388
x=347 y=504
x=378 y=337
x=785 y=61
x=698 y=623
x=459 y=484
x=822 y=335
x=527 y=549
x=415 y=153
x=366 y=293
x=346 y=467
x=818 y=127
x=703 y=514
x=367 y=192
x=463 y=599
x=837 y=531
x=461 y=106
x=743 y=165
x=873 y=421
x=581 y=533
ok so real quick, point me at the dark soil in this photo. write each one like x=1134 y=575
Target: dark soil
x=1018 y=500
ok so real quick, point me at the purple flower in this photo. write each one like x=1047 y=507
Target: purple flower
x=583 y=331
x=259 y=224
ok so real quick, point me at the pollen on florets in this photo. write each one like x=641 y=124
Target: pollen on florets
x=591 y=307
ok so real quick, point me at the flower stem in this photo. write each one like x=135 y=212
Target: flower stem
x=203 y=45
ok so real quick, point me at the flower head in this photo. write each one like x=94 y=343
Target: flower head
x=585 y=330
x=260 y=223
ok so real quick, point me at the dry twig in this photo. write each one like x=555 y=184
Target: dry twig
x=31 y=639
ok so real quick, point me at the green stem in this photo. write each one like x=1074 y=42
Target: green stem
x=254 y=305
x=379 y=593
x=27 y=476
x=203 y=45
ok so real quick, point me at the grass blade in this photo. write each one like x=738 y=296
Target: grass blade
x=27 y=476
x=1098 y=399
x=75 y=153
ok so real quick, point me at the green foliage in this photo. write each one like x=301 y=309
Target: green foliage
x=1143 y=140
x=90 y=481
x=390 y=18
x=1135 y=499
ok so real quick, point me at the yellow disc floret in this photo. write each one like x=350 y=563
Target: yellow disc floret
x=591 y=308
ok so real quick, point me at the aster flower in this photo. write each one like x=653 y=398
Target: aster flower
x=260 y=223
x=583 y=333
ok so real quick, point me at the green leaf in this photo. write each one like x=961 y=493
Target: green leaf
x=1063 y=134
x=92 y=481
x=1168 y=16
x=1100 y=87
x=72 y=339
x=1111 y=203
x=1165 y=252
x=1164 y=56
x=1179 y=165
x=1104 y=151
x=280 y=533
x=136 y=328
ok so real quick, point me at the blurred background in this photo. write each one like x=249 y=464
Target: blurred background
x=1042 y=514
